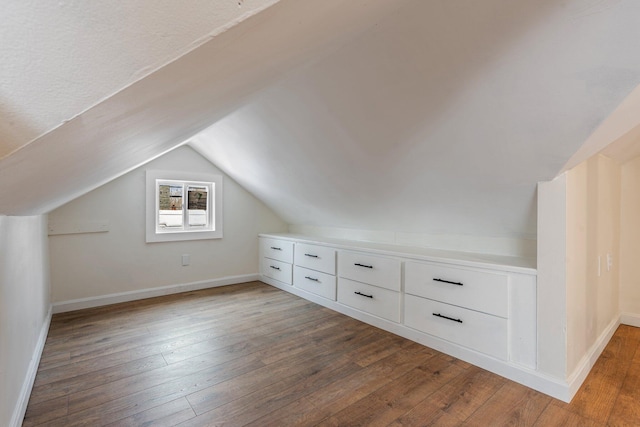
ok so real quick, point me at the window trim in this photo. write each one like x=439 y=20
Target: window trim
x=151 y=215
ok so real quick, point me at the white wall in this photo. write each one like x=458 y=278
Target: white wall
x=593 y=232
x=97 y=264
x=24 y=310
x=519 y=247
x=551 y=281
x=578 y=221
x=630 y=242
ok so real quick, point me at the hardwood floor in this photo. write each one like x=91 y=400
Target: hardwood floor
x=254 y=355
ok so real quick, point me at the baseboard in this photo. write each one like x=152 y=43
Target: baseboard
x=82 y=303
x=588 y=360
x=630 y=319
x=30 y=377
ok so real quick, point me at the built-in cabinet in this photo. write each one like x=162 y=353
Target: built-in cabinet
x=315 y=270
x=277 y=259
x=480 y=308
x=370 y=283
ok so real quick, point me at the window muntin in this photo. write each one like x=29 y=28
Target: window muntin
x=179 y=208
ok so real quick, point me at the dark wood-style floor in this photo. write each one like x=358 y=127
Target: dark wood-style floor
x=254 y=355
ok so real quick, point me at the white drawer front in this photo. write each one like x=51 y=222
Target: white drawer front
x=481 y=291
x=371 y=299
x=278 y=270
x=375 y=270
x=282 y=250
x=315 y=282
x=478 y=331
x=319 y=258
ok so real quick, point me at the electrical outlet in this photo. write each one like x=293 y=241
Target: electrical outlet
x=609 y=262
x=186 y=260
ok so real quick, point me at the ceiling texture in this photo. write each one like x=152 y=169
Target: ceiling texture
x=430 y=116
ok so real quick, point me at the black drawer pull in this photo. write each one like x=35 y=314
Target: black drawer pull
x=364 y=295
x=275 y=268
x=447 y=317
x=447 y=281
x=363 y=265
x=311 y=255
x=313 y=279
x=276 y=249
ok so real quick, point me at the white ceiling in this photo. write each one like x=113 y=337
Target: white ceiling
x=61 y=57
x=442 y=118
x=408 y=115
x=159 y=112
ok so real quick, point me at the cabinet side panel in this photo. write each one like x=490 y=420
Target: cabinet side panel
x=522 y=320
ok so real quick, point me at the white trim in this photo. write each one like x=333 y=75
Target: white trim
x=25 y=393
x=551 y=386
x=82 y=303
x=152 y=236
x=589 y=359
x=630 y=319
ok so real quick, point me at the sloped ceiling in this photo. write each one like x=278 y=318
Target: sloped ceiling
x=441 y=119
x=60 y=58
x=410 y=115
x=161 y=111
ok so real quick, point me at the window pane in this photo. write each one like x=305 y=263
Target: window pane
x=170 y=197
x=170 y=206
x=197 y=204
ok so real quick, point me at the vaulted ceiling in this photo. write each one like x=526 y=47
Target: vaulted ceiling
x=409 y=115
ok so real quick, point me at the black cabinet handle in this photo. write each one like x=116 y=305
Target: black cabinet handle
x=364 y=295
x=363 y=265
x=311 y=255
x=276 y=249
x=313 y=279
x=447 y=281
x=447 y=317
x=275 y=268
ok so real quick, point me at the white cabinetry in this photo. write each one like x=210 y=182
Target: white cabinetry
x=371 y=299
x=276 y=259
x=315 y=269
x=370 y=283
x=316 y=282
x=375 y=270
x=466 y=307
x=481 y=309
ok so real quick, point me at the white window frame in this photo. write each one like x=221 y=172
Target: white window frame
x=214 y=229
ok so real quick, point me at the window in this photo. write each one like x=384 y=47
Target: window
x=183 y=206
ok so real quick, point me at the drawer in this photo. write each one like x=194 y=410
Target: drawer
x=481 y=291
x=375 y=270
x=282 y=250
x=315 y=282
x=481 y=332
x=278 y=270
x=319 y=258
x=371 y=299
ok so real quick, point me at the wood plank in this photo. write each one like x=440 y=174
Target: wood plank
x=252 y=354
x=169 y=414
x=512 y=404
x=597 y=395
x=554 y=416
x=101 y=377
x=626 y=409
x=258 y=403
x=460 y=398
x=397 y=397
x=42 y=412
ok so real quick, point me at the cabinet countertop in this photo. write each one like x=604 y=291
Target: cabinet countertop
x=480 y=260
